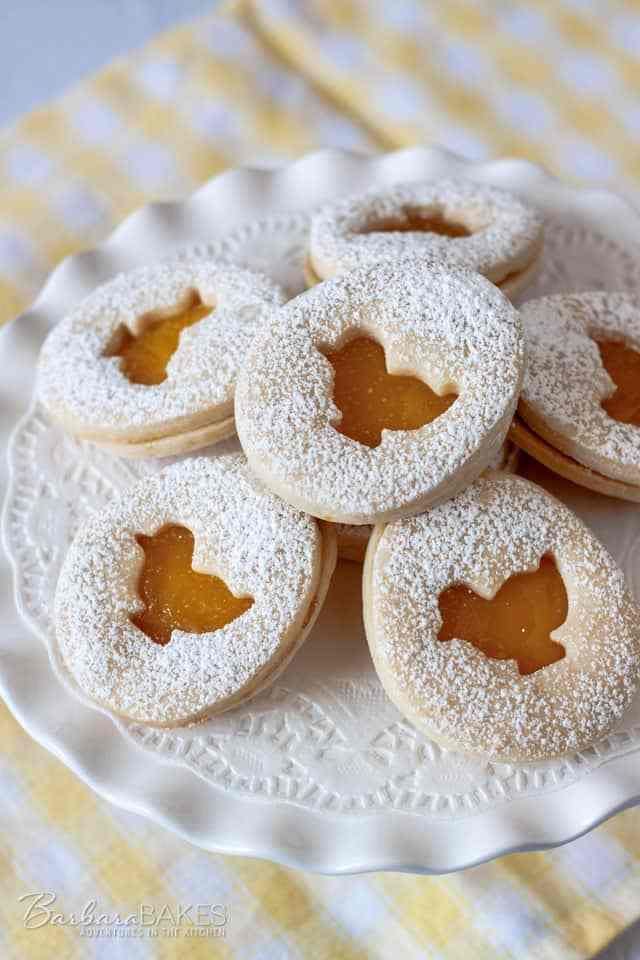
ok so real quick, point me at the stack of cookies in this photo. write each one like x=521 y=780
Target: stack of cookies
x=378 y=412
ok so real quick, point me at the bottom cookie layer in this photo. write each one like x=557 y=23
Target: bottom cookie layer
x=568 y=468
x=175 y=445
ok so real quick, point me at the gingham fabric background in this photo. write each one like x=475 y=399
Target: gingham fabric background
x=557 y=82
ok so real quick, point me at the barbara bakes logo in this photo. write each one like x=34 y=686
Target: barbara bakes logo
x=148 y=919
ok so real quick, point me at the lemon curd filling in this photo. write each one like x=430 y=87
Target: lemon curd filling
x=175 y=596
x=144 y=357
x=622 y=363
x=372 y=400
x=516 y=624
x=415 y=222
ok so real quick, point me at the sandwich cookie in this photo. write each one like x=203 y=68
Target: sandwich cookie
x=579 y=411
x=498 y=623
x=147 y=364
x=456 y=222
x=353 y=539
x=189 y=594
x=379 y=393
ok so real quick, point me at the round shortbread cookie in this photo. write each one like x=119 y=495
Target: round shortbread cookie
x=453 y=330
x=83 y=386
x=260 y=546
x=500 y=235
x=499 y=527
x=176 y=445
x=566 y=381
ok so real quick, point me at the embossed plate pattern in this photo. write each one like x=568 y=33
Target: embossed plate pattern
x=320 y=771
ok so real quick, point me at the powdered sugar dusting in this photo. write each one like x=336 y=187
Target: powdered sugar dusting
x=506 y=233
x=91 y=396
x=505 y=459
x=566 y=381
x=498 y=527
x=451 y=328
x=259 y=545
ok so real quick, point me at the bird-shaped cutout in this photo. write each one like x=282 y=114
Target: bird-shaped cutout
x=144 y=357
x=416 y=222
x=622 y=363
x=175 y=597
x=516 y=624
x=372 y=400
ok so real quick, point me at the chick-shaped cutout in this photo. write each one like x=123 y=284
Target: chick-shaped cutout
x=144 y=357
x=516 y=624
x=372 y=400
x=622 y=363
x=175 y=596
x=415 y=221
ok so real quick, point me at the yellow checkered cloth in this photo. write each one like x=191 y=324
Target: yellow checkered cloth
x=557 y=82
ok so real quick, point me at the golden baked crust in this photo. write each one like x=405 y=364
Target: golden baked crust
x=568 y=468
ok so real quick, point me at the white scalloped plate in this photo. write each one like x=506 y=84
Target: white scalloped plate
x=320 y=772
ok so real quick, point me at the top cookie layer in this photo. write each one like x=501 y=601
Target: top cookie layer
x=454 y=330
x=565 y=380
x=89 y=394
x=505 y=234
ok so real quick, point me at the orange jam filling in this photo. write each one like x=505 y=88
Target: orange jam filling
x=174 y=595
x=622 y=363
x=372 y=400
x=516 y=624
x=414 y=222
x=145 y=356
